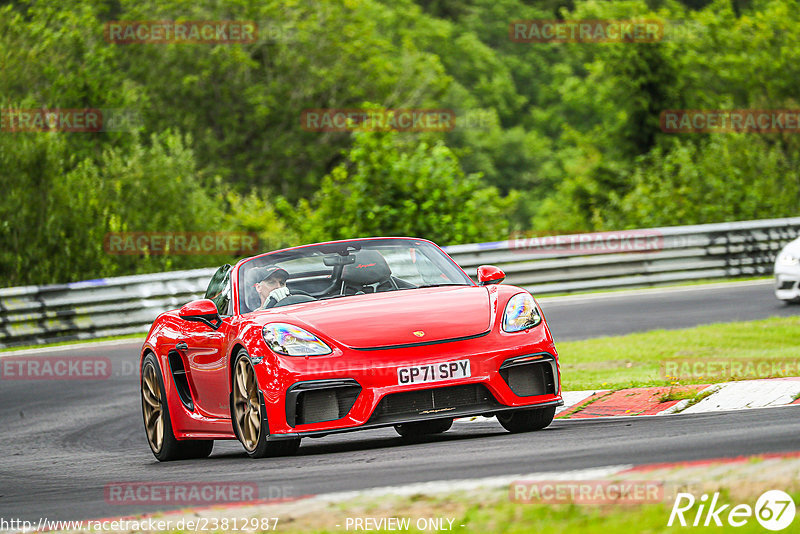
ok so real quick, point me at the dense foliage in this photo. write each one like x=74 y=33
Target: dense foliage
x=549 y=137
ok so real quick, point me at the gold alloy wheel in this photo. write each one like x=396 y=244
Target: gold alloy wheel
x=153 y=407
x=246 y=406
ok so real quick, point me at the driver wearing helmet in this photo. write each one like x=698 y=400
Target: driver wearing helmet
x=272 y=286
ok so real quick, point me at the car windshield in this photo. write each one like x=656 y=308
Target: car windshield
x=350 y=268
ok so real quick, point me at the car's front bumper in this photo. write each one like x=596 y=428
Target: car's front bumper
x=787 y=282
x=369 y=425
x=357 y=389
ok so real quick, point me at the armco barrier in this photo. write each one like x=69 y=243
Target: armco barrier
x=128 y=304
x=683 y=253
x=95 y=308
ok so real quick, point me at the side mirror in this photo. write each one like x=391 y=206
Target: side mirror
x=489 y=275
x=202 y=311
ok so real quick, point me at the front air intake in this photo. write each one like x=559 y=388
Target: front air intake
x=318 y=401
x=179 y=377
x=530 y=377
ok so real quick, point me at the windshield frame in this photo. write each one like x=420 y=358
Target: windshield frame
x=238 y=273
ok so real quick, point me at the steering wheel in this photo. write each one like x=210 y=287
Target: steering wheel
x=291 y=299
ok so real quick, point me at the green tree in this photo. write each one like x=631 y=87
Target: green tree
x=725 y=178
x=54 y=229
x=389 y=188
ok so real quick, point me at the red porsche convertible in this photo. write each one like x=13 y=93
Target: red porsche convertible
x=343 y=336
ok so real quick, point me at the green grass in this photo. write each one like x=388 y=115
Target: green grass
x=634 y=360
x=75 y=342
x=676 y=394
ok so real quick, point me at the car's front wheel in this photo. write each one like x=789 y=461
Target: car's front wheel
x=249 y=414
x=527 y=420
x=423 y=428
x=157 y=423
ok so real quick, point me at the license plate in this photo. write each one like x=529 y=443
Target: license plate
x=433 y=372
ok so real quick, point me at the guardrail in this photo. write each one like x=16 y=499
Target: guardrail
x=544 y=265
x=581 y=262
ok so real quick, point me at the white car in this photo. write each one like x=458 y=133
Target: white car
x=787 y=272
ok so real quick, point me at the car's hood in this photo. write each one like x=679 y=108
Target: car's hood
x=400 y=317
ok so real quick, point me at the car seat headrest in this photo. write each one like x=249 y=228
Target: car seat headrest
x=370 y=267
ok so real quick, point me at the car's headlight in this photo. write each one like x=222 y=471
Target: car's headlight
x=521 y=313
x=788 y=259
x=293 y=341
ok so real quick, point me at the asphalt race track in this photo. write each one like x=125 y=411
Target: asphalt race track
x=63 y=442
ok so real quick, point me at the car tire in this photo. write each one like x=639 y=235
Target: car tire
x=249 y=414
x=157 y=423
x=423 y=428
x=527 y=420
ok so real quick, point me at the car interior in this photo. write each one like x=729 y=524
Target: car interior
x=358 y=273
x=348 y=268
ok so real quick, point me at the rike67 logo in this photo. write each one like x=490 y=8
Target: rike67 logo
x=774 y=510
